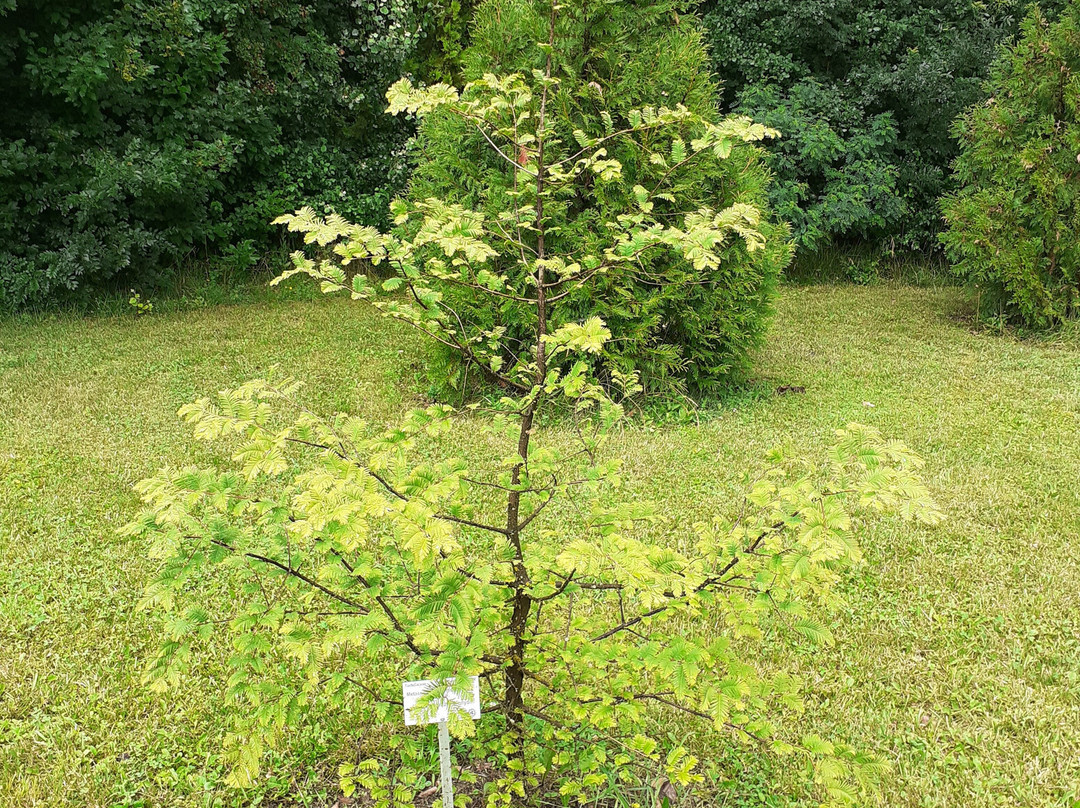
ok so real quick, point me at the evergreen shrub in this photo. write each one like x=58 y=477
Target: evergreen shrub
x=681 y=326
x=1014 y=223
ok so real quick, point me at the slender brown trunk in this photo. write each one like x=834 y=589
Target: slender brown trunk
x=514 y=696
x=522 y=602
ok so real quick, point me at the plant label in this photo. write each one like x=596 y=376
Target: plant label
x=438 y=710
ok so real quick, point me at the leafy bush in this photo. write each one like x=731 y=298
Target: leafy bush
x=678 y=323
x=353 y=556
x=835 y=170
x=139 y=132
x=1014 y=224
x=867 y=93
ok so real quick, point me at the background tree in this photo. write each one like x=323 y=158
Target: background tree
x=679 y=325
x=381 y=557
x=864 y=94
x=140 y=132
x=1014 y=224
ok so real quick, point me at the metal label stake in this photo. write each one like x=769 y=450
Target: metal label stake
x=444 y=766
x=467 y=703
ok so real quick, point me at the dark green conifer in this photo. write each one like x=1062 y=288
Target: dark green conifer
x=681 y=328
x=1014 y=224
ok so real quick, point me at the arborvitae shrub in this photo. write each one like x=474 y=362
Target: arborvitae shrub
x=680 y=327
x=1014 y=224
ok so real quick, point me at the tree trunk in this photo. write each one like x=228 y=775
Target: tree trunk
x=514 y=694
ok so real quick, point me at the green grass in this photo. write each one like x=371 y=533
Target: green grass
x=958 y=657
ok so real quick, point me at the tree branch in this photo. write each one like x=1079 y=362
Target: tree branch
x=558 y=591
x=292 y=572
x=708 y=582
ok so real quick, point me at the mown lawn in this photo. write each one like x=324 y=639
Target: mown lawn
x=958 y=657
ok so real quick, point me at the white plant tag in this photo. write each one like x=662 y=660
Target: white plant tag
x=411 y=692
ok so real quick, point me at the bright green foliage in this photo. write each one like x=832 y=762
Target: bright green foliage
x=139 y=133
x=677 y=324
x=1014 y=224
x=864 y=94
x=380 y=571
x=362 y=555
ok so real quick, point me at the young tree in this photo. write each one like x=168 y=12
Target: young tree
x=381 y=556
x=1014 y=224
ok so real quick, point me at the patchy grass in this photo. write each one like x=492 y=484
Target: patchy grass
x=958 y=657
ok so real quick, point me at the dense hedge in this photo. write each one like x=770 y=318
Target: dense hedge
x=139 y=132
x=1014 y=223
x=865 y=93
x=675 y=324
